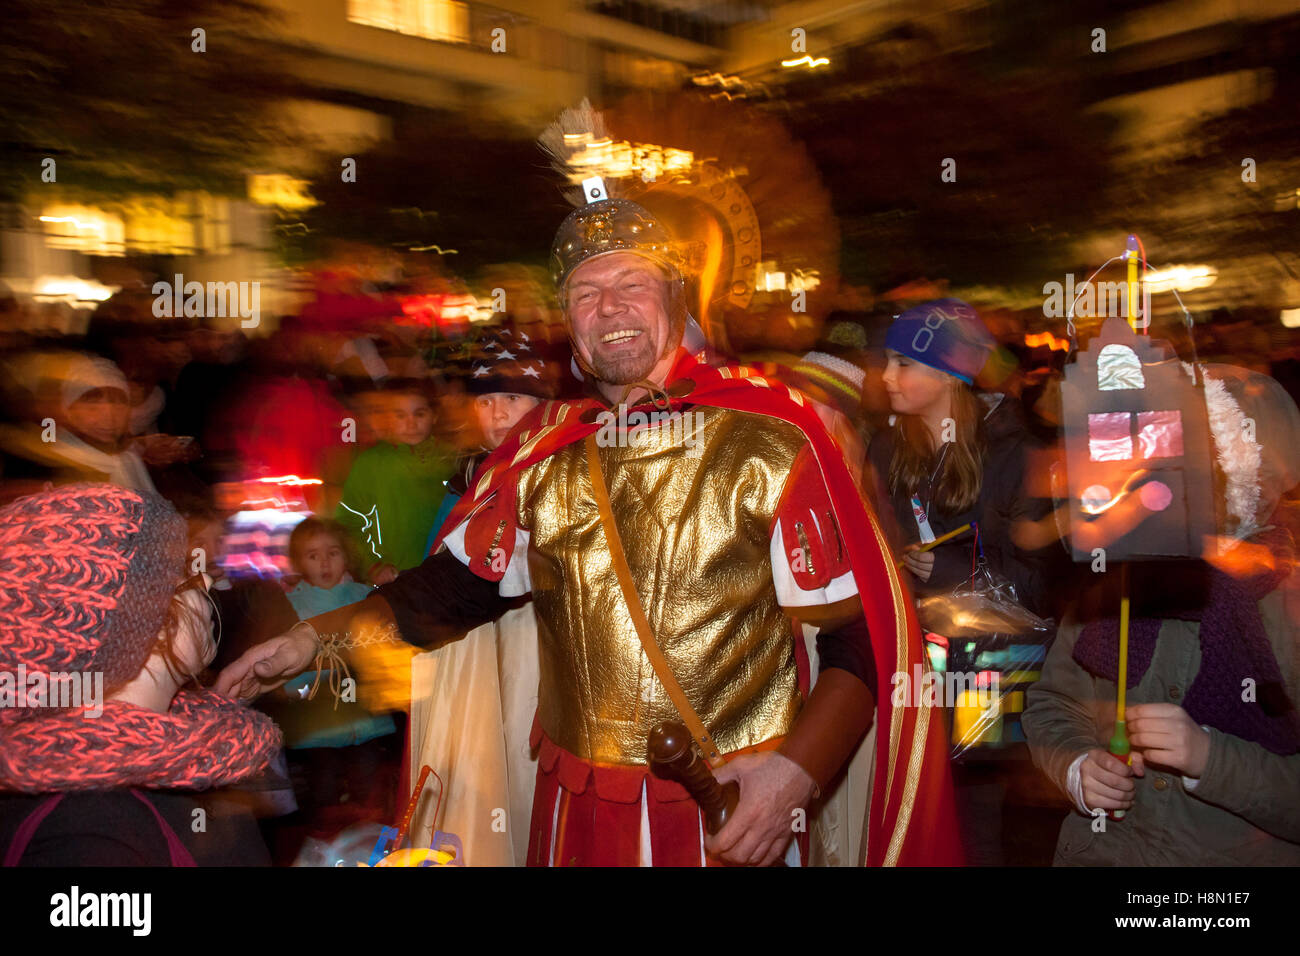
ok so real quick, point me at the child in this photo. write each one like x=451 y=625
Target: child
x=394 y=489
x=954 y=456
x=318 y=550
x=1211 y=674
x=332 y=742
x=495 y=416
x=473 y=700
x=88 y=399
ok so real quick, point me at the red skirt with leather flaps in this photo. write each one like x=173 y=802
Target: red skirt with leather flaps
x=589 y=814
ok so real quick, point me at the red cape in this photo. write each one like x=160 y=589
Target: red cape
x=912 y=820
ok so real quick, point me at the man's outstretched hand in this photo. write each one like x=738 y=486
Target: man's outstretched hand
x=268 y=665
x=772 y=787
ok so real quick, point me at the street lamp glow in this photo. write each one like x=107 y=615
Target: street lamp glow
x=1182 y=278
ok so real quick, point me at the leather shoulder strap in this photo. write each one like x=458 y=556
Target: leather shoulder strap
x=27 y=829
x=180 y=856
x=703 y=739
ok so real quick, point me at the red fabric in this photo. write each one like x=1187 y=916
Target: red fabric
x=806 y=505
x=86 y=575
x=292 y=425
x=490 y=536
x=913 y=818
x=599 y=819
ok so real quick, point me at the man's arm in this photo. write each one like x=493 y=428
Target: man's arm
x=426 y=606
x=440 y=600
x=838 y=711
x=776 y=784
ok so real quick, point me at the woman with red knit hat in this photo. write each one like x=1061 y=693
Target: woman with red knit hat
x=108 y=755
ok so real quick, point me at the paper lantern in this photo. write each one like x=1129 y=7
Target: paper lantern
x=1137 y=434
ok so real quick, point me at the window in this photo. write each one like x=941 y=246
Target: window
x=444 y=20
x=1118 y=367
x=1110 y=435
x=1160 y=434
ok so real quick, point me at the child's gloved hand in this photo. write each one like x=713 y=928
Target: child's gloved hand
x=1107 y=781
x=1167 y=736
x=382 y=574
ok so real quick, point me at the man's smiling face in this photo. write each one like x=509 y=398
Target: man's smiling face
x=617 y=306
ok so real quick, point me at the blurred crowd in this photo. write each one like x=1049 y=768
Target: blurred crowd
x=316 y=457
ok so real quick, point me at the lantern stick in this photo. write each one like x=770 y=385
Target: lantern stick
x=1131 y=257
x=921 y=549
x=1119 y=745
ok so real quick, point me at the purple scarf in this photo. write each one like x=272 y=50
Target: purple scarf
x=1234 y=647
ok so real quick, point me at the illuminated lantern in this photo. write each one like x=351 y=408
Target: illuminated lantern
x=1136 y=429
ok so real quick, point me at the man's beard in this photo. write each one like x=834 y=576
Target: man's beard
x=626 y=369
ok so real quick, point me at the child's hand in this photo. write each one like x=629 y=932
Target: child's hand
x=382 y=574
x=1168 y=736
x=1107 y=781
x=920 y=563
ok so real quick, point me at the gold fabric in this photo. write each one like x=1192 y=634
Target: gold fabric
x=696 y=526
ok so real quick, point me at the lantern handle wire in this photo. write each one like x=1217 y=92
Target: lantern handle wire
x=1187 y=315
x=1069 y=315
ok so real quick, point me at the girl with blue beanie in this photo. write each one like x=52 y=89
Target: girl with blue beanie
x=953 y=456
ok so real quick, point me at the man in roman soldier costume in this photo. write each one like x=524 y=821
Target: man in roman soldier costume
x=674 y=527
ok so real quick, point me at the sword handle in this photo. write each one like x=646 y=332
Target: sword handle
x=673 y=755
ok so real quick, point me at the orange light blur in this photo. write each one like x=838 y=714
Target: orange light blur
x=1038 y=339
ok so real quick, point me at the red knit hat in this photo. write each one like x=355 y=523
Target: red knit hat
x=86 y=573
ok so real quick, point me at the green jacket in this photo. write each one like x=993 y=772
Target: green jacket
x=390 y=499
x=1244 y=810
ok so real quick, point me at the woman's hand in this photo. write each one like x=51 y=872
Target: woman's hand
x=1107 y=781
x=920 y=563
x=1167 y=736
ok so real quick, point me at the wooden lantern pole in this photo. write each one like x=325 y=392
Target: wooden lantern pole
x=1119 y=743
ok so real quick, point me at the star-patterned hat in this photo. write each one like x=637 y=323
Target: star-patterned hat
x=506 y=360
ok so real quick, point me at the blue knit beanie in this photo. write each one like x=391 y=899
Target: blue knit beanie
x=946 y=334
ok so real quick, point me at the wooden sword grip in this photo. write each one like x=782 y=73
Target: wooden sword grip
x=673 y=755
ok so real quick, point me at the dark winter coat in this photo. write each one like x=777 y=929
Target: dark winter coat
x=1002 y=500
x=118 y=828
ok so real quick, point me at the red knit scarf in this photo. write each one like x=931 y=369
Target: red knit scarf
x=204 y=741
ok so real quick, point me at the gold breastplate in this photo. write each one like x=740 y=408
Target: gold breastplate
x=696 y=527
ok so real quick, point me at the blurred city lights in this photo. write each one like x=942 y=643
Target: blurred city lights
x=807 y=61
x=1181 y=278
x=80 y=293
